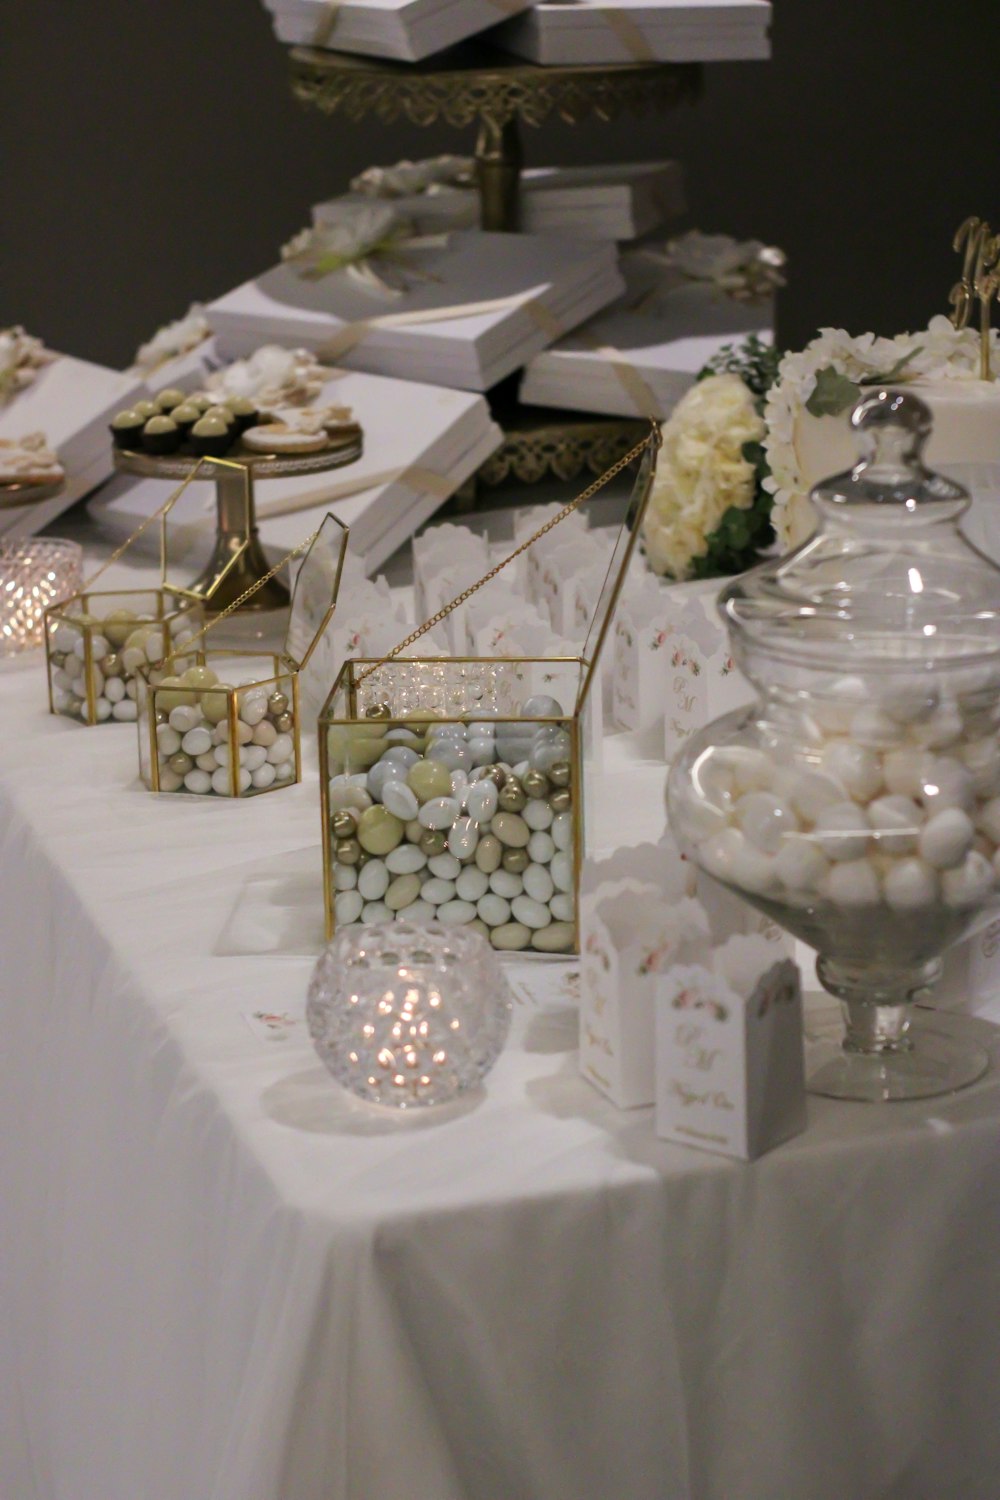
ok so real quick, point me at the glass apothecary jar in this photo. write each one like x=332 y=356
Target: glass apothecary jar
x=453 y=787
x=857 y=803
x=226 y=722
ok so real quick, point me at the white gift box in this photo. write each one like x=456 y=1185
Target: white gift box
x=729 y=1052
x=618 y=202
x=623 y=31
x=421 y=444
x=72 y=401
x=405 y=29
x=477 y=308
x=639 y=356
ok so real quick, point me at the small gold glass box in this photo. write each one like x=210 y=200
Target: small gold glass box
x=98 y=641
x=452 y=787
x=226 y=722
x=95 y=643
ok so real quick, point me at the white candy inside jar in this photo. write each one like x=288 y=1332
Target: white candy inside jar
x=885 y=806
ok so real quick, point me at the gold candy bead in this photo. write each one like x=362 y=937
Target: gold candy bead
x=515 y=860
x=343 y=825
x=535 y=783
x=513 y=797
x=347 y=851
x=433 y=841
x=277 y=704
x=496 y=774
x=560 y=773
x=180 y=763
x=561 y=801
x=111 y=666
x=378 y=711
x=284 y=723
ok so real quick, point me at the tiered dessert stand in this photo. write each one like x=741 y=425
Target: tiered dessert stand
x=477 y=84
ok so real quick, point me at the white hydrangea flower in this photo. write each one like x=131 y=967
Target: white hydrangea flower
x=700 y=472
x=173 y=339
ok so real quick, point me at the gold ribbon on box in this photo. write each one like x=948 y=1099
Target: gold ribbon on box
x=630 y=34
x=422 y=481
x=352 y=334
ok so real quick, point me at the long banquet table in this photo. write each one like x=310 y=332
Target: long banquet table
x=223 y=1279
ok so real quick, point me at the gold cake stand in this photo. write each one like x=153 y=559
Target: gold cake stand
x=475 y=84
x=13 y=496
x=237 y=533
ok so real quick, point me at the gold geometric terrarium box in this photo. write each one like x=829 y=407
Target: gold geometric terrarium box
x=452 y=787
x=98 y=641
x=226 y=722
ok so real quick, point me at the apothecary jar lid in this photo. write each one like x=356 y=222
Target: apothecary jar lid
x=888 y=581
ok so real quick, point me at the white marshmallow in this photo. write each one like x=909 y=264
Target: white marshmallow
x=765 y=819
x=843 y=832
x=946 y=838
x=858 y=770
x=800 y=864
x=909 y=885
x=852 y=883
x=897 y=820
x=968 y=884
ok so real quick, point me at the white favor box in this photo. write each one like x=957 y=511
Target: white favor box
x=596 y=203
x=637 y=916
x=639 y=356
x=72 y=401
x=405 y=29
x=729 y=1062
x=528 y=290
x=609 y=31
x=702 y=680
x=408 y=469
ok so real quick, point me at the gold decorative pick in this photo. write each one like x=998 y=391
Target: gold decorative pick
x=980 y=281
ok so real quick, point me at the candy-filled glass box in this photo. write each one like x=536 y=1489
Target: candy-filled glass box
x=453 y=787
x=451 y=791
x=97 y=642
x=226 y=722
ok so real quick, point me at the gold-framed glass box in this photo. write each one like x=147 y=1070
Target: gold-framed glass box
x=227 y=722
x=98 y=641
x=452 y=788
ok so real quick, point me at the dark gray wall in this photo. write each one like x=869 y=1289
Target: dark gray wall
x=152 y=154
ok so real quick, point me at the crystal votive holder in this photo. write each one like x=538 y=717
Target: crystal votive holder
x=407 y=1015
x=96 y=643
x=202 y=732
x=34 y=574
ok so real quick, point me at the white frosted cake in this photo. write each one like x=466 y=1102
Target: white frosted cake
x=804 y=446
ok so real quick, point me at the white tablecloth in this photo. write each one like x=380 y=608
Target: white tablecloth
x=222 y=1279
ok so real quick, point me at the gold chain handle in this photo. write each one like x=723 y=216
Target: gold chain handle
x=242 y=598
x=587 y=494
x=137 y=533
